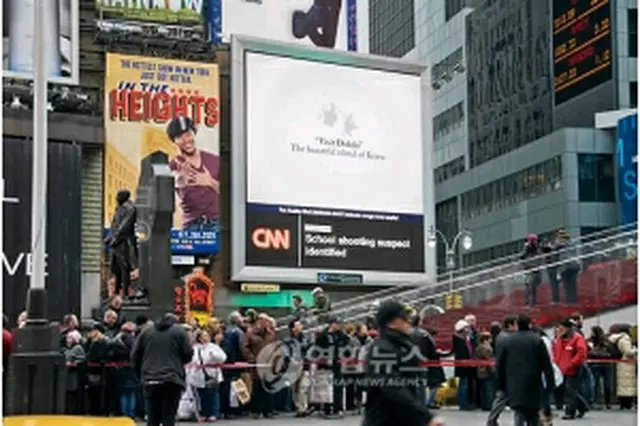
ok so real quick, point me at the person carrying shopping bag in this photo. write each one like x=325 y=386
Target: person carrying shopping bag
x=206 y=375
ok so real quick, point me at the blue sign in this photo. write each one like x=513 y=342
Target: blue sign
x=196 y=242
x=627 y=155
x=187 y=242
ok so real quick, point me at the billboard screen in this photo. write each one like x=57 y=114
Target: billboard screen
x=61 y=32
x=333 y=24
x=581 y=46
x=63 y=230
x=175 y=12
x=334 y=172
x=168 y=106
x=627 y=150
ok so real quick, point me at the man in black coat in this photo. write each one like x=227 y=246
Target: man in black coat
x=520 y=365
x=393 y=393
x=500 y=399
x=158 y=359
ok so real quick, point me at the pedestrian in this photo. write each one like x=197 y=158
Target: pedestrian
x=393 y=396
x=205 y=374
x=486 y=373
x=463 y=351
x=570 y=353
x=623 y=349
x=500 y=399
x=158 y=359
x=521 y=363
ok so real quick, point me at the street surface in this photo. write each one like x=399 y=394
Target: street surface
x=452 y=418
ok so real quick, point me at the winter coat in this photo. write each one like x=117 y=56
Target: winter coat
x=484 y=352
x=120 y=354
x=74 y=355
x=208 y=353
x=521 y=362
x=570 y=353
x=625 y=372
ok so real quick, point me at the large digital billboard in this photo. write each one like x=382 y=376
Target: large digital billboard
x=328 y=165
x=581 y=46
x=627 y=156
x=61 y=32
x=170 y=107
x=332 y=24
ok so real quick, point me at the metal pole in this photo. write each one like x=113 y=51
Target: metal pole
x=39 y=173
x=450 y=280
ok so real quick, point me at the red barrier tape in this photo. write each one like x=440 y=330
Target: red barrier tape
x=348 y=361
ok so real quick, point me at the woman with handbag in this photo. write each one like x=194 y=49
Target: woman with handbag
x=206 y=374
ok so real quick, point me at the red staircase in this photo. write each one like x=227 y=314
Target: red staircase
x=601 y=287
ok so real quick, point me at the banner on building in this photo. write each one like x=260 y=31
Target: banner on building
x=627 y=156
x=332 y=24
x=61 y=33
x=155 y=105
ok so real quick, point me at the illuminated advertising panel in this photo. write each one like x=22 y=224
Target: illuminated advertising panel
x=581 y=46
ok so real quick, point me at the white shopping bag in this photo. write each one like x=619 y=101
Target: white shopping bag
x=188 y=407
x=322 y=387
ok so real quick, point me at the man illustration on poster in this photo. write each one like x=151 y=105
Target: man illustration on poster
x=319 y=23
x=196 y=174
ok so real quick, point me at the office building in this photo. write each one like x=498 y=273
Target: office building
x=517 y=85
x=391 y=27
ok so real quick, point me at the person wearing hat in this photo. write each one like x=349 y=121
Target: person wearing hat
x=196 y=177
x=570 y=353
x=332 y=341
x=321 y=303
x=393 y=393
x=123 y=246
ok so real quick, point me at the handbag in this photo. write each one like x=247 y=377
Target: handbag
x=209 y=382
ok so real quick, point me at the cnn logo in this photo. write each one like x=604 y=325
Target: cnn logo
x=271 y=239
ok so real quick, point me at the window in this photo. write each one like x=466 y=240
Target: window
x=596 y=178
x=632 y=25
x=449 y=170
x=633 y=94
x=452 y=7
x=392 y=27
x=526 y=184
x=444 y=71
x=445 y=122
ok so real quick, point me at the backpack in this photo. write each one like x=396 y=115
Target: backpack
x=614 y=350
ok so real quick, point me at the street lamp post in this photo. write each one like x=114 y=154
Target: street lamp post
x=463 y=237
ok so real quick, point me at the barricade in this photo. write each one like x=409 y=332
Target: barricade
x=91 y=388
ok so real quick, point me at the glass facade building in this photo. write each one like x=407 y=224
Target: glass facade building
x=509 y=158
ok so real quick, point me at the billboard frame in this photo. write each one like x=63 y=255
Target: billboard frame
x=74 y=80
x=240 y=271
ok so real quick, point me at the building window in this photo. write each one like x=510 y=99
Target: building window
x=447 y=121
x=633 y=94
x=529 y=183
x=452 y=7
x=449 y=170
x=632 y=25
x=444 y=71
x=391 y=27
x=596 y=181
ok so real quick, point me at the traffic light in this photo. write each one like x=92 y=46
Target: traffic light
x=453 y=301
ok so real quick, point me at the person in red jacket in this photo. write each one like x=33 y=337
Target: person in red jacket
x=569 y=354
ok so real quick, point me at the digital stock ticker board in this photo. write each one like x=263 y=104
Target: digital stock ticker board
x=581 y=46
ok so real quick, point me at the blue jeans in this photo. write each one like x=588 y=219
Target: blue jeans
x=209 y=402
x=587 y=386
x=431 y=396
x=602 y=372
x=128 y=402
x=487 y=392
x=463 y=390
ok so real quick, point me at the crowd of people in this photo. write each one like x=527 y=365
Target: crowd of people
x=205 y=371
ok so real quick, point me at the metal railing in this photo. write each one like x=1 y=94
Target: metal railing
x=497 y=281
x=481 y=271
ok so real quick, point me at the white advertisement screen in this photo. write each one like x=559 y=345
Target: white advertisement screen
x=334 y=157
x=329 y=136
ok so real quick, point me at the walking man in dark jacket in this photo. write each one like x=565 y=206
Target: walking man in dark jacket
x=520 y=365
x=500 y=400
x=393 y=395
x=158 y=359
